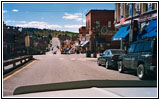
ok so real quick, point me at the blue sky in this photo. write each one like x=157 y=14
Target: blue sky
x=59 y=16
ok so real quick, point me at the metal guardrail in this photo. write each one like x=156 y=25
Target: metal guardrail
x=13 y=62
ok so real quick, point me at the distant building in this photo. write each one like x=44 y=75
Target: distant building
x=141 y=15
x=83 y=38
x=83 y=34
x=67 y=41
x=13 y=42
x=100 y=27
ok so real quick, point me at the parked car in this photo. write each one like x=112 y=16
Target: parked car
x=109 y=58
x=43 y=52
x=72 y=51
x=142 y=57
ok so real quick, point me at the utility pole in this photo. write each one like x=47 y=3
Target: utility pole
x=95 y=39
x=131 y=27
x=96 y=34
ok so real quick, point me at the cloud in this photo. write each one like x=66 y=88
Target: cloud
x=76 y=16
x=40 y=25
x=5 y=11
x=72 y=26
x=15 y=10
x=12 y=21
x=84 y=20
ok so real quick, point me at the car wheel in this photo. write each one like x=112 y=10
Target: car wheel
x=107 y=65
x=120 y=67
x=141 y=72
x=98 y=62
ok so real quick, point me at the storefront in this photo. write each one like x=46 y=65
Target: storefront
x=146 y=24
x=83 y=46
x=150 y=30
x=122 y=35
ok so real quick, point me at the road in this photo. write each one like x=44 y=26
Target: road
x=55 y=45
x=50 y=68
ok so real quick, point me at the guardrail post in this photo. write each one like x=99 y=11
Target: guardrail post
x=22 y=60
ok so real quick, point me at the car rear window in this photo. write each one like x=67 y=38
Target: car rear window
x=131 y=49
x=139 y=47
x=147 y=46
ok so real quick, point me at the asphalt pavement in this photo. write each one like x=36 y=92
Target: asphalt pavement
x=55 y=68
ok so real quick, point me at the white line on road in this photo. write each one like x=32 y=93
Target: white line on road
x=6 y=78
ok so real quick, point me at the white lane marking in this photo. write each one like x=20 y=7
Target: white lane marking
x=25 y=66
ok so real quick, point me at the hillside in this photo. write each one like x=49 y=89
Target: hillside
x=46 y=32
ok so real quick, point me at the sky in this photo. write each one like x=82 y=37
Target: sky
x=59 y=16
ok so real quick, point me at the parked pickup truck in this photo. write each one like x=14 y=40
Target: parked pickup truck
x=142 y=57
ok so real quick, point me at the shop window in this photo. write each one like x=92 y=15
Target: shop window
x=121 y=10
x=145 y=7
x=149 y=6
x=97 y=24
x=109 y=24
x=131 y=9
x=137 y=8
x=127 y=10
x=115 y=16
x=154 y=6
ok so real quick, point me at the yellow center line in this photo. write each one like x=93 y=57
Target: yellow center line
x=6 y=78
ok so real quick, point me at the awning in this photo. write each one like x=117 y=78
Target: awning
x=81 y=43
x=84 y=43
x=150 y=30
x=122 y=33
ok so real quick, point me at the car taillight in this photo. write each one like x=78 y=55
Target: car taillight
x=112 y=57
x=152 y=61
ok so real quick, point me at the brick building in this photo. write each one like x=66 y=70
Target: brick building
x=13 y=42
x=100 y=27
x=83 y=38
x=82 y=34
x=142 y=13
x=124 y=10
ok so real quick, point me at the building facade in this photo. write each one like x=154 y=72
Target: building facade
x=83 y=34
x=100 y=27
x=83 y=39
x=124 y=10
x=129 y=15
x=13 y=42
